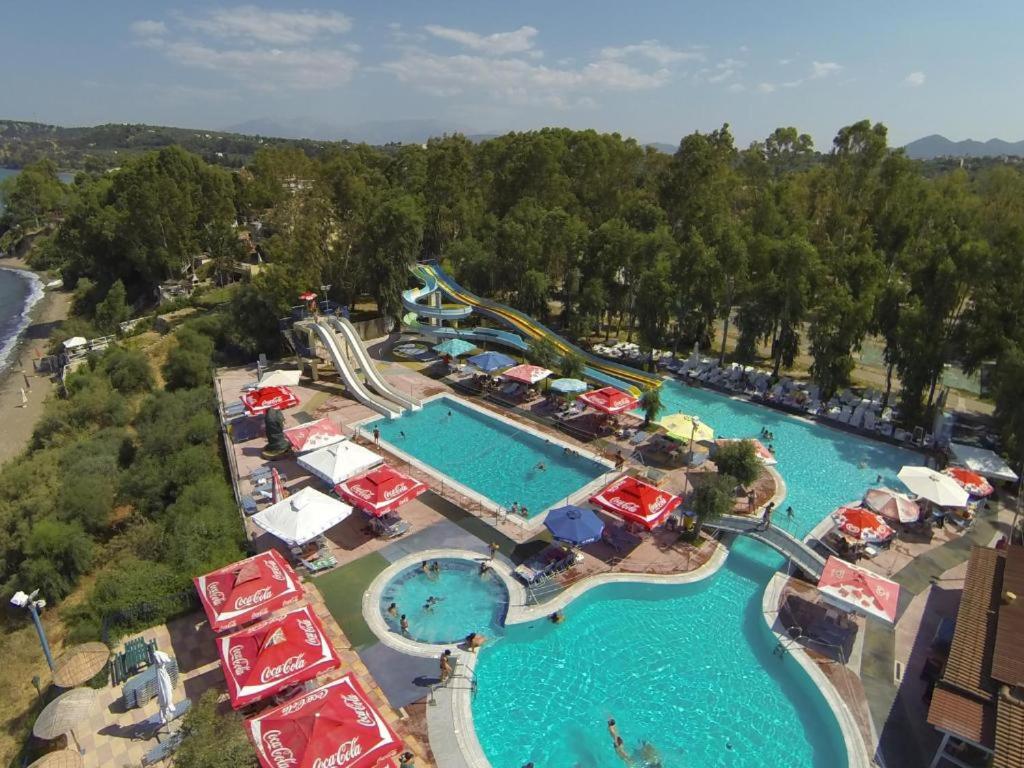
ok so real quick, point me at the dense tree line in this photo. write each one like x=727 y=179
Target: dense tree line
x=796 y=250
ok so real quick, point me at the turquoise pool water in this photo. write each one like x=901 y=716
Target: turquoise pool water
x=688 y=669
x=495 y=459
x=465 y=601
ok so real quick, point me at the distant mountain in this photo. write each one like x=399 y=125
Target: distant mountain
x=931 y=147
x=668 y=149
x=372 y=132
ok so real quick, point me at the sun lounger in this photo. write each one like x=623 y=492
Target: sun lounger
x=638 y=437
x=554 y=559
x=619 y=539
x=249 y=506
x=389 y=526
x=152 y=725
x=163 y=750
x=141 y=689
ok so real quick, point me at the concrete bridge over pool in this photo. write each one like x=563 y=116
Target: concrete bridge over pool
x=783 y=542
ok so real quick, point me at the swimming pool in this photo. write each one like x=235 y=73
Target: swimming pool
x=490 y=456
x=688 y=668
x=464 y=601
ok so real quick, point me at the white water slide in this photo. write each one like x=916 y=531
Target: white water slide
x=374 y=378
x=352 y=383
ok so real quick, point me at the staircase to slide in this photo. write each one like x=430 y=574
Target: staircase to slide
x=783 y=542
x=374 y=378
x=435 y=279
x=358 y=390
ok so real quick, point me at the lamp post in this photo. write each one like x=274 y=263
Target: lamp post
x=694 y=423
x=33 y=606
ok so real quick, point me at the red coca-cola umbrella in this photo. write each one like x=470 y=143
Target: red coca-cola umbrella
x=526 y=374
x=862 y=524
x=313 y=435
x=334 y=726
x=258 y=401
x=637 y=502
x=307 y=296
x=972 y=482
x=609 y=400
x=269 y=656
x=380 y=490
x=244 y=591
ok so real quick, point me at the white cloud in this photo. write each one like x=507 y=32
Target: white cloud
x=723 y=70
x=736 y=88
x=915 y=79
x=269 y=68
x=653 y=50
x=497 y=44
x=250 y=23
x=149 y=28
x=820 y=69
x=766 y=87
x=784 y=62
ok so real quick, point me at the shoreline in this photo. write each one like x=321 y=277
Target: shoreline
x=44 y=317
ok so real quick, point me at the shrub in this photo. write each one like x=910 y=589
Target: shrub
x=94 y=403
x=57 y=554
x=650 y=401
x=189 y=364
x=113 y=310
x=128 y=370
x=213 y=739
x=739 y=459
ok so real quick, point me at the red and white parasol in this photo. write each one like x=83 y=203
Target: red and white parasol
x=380 y=491
x=247 y=590
x=609 y=400
x=260 y=400
x=307 y=296
x=637 y=502
x=850 y=586
x=861 y=524
x=972 y=482
x=313 y=435
x=335 y=726
x=892 y=504
x=526 y=374
x=269 y=656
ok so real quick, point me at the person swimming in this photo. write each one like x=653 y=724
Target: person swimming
x=393 y=610
x=541 y=467
x=401 y=434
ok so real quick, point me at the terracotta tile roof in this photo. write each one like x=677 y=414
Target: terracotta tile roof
x=962 y=715
x=970 y=656
x=1009 y=734
x=1008 y=656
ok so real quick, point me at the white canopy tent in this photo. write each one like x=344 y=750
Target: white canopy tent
x=302 y=516
x=986 y=463
x=339 y=462
x=934 y=486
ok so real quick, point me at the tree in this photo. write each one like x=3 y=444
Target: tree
x=572 y=366
x=128 y=370
x=650 y=401
x=57 y=554
x=542 y=351
x=738 y=459
x=391 y=245
x=113 y=310
x=31 y=195
x=713 y=497
x=190 y=363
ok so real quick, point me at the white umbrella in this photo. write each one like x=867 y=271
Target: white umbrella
x=339 y=462
x=302 y=516
x=164 y=687
x=280 y=379
x=934 y=486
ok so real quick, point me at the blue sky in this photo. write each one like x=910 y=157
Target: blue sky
x=652 y=70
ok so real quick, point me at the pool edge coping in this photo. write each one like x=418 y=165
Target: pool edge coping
x=856 y=750
x=460 y=724
x=532 y=523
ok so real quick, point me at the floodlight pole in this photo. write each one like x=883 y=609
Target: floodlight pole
x=29 y=602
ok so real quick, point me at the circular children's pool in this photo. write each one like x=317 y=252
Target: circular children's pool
x=447 y=602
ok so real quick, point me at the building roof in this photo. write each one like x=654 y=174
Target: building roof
x=963 y=715
x=1009 y=734
x=1008 y=655
x=970 y=655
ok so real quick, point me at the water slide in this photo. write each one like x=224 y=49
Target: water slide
x=374 y=378
x=436 y=279
x=352 y=383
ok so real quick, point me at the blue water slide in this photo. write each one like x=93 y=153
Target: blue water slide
x=412 y=297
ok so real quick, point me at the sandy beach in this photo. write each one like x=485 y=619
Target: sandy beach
x=19 y=421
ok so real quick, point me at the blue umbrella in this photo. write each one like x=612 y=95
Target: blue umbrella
x=454 y=347
x=568 y=386
x=574 y=525
x=489 y=362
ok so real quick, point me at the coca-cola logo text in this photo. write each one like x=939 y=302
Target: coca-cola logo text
x=309 y=631
x=275 y=570
x=239 y=663
x=276 y=751
x=289 y=666
x=347 y=752
x=395 y=492
x=298 y=704
x=215 y=594
x=261 y=595
x=625 y=506
x=359 y=708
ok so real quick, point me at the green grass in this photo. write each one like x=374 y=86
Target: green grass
x=343 y=590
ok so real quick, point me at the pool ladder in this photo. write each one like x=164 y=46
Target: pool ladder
x=463 y=674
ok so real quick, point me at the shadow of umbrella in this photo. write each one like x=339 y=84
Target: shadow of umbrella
x=80 y=664
x=63 y=713
x=64 y=758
